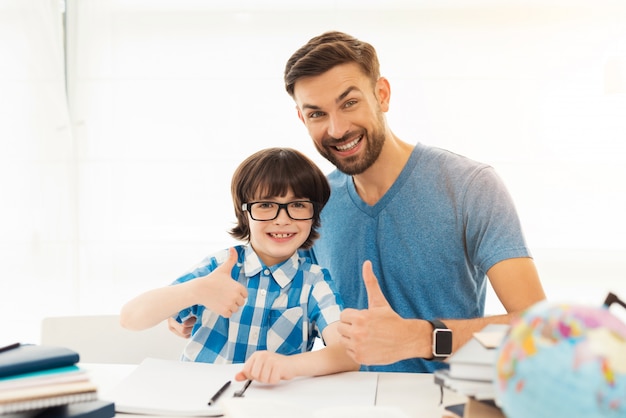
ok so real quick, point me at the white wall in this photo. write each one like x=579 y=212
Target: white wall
x=166 y=97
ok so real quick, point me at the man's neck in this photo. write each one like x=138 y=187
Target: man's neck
x=372 y=184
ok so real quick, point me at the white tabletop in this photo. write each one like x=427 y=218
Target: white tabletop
x=415 y=394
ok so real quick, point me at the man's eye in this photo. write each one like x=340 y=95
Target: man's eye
x=350 y=103
x=315 y=115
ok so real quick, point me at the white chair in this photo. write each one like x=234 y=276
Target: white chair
x=101 y=339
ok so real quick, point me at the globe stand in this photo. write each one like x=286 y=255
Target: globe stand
x=611 y=299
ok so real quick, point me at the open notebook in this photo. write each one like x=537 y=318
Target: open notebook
x=168 y=387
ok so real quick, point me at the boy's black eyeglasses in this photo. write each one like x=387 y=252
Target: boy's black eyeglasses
x=298 y=210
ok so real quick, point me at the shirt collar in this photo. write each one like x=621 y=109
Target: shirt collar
x=282 y=273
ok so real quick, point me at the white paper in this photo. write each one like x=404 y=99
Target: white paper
x=165 y=387
x=174 y=388
x=258 y=408
x=489 y=339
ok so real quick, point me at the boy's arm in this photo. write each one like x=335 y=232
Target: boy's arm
x=217 y=291
x=156 y=305
x=270 y=367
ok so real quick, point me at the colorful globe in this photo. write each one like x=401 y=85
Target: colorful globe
x=563 y=361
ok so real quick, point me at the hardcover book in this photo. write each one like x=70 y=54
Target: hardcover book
x=32 y=358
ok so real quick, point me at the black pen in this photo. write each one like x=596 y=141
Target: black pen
x=240 y=392
x=9 y=347
x=219 y=393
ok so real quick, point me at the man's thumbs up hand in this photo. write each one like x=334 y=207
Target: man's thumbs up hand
x=375 y=297
x=371 y=335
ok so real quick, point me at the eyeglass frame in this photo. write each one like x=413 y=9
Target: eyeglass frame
x=246 y=207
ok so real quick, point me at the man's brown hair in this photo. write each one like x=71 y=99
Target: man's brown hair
x=326 y=51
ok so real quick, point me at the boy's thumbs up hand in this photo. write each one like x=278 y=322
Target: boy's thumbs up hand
x=227 y=266
x=219 y=292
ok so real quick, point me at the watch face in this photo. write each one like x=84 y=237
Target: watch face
x=442 y=342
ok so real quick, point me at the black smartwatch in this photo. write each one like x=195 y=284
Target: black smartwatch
x=442 y=340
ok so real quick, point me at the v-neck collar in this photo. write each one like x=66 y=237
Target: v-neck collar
x=375 y=209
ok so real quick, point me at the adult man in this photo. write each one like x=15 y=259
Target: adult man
x=422 y=226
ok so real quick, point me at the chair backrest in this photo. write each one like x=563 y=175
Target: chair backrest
x=101 y=339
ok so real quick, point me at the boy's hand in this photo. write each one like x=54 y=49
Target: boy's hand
x=219 y=292
x=267 y=367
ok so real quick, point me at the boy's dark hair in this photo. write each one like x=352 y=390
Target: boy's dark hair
x=327 y=50
x=275 y=172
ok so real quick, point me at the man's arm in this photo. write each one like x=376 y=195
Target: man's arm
x=516 y=283
x=378 y=335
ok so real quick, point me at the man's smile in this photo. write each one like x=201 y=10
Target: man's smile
x=349 y=145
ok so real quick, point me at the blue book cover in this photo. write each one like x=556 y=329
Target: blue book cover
x=91 y=409
x=27 y=358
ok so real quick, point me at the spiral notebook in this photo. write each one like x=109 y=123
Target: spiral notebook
x=38 y=397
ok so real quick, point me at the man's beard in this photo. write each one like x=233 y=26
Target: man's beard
x=357 y=164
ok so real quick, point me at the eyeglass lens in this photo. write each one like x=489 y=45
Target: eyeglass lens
x=267 y=211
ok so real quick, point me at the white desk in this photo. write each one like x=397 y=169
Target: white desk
x=416 y=394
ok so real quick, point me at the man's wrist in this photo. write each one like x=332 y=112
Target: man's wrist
x=421 y=343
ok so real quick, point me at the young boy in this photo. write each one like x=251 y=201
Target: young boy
x=260 y=303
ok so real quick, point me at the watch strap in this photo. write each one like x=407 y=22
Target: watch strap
x=437 y=324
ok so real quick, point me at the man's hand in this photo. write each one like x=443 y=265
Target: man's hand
x=218 y=291
x=267 y=367
x=372 y=336
x=184 y=329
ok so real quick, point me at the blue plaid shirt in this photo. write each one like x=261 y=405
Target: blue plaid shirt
x=288 y=306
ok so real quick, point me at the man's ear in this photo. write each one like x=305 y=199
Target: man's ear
x=383 y=93
x=300 y=114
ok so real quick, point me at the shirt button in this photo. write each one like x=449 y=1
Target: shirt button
x=266 y=272
x=262 y=292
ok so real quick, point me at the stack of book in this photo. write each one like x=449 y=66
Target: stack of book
x=472 y=373
x=46 y=381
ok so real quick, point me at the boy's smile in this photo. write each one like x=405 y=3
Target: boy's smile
x=276 y=240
